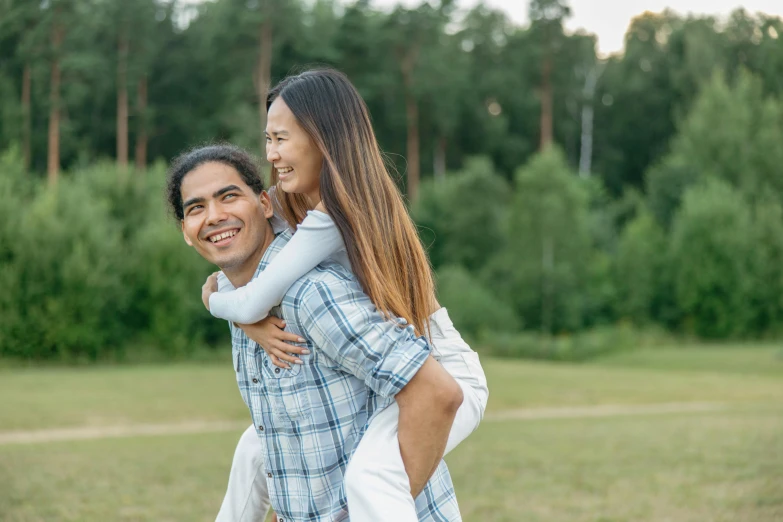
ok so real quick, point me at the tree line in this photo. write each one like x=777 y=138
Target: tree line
x=87 y=79
x=558 y=192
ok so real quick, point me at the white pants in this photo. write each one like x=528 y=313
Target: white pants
x=376 y=483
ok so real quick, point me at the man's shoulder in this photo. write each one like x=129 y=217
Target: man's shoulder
x=326 y=274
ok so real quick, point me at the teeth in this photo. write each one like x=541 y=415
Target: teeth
x=224 y=235
x=284 y=170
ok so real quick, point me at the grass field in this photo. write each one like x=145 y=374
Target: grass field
x=724 y=464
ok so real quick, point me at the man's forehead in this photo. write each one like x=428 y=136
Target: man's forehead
x=205 y=179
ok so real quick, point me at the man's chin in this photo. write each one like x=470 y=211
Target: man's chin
x=228 y=261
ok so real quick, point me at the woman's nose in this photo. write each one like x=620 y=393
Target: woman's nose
x=272 y=154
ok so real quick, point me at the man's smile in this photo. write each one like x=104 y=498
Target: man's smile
x=222 y=237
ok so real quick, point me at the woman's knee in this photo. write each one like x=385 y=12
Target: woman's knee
x=249 y=449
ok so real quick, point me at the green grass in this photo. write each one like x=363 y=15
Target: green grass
x=717 y=466
x=99 y=396
x=735 y=359
x=167 y=478
x=518 y=384
x=694 y=468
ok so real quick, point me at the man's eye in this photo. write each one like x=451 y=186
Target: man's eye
x=229 y=196
x=194 y=208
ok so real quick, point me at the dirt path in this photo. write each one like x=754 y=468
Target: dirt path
x=140 y=430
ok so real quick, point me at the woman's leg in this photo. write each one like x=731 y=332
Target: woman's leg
x=247 y=496
x=377 y=486
x=462 y=363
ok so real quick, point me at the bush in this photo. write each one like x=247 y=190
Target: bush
x=93 y=266
x=545 y=270
x=639 y=269
x=711 y=261
x=462 y=219
x=583 y=346
x=767 y=292
x=473 y=308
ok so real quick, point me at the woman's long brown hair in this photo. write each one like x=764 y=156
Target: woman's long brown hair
x=359 y=194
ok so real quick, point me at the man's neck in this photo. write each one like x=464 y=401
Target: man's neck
x=241 y=275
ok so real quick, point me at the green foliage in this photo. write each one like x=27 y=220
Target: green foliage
x=462 y=218
x=474 y=309
x=639 y=269
x=767 y=293
x=666 y=183
x=94 y=265
x=734 y=133
x=712 y=252
x=690 y=101
x=580 y=347
x=544 y=269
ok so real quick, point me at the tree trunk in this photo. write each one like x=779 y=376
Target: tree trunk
x=546 y=102
x=264 y=75
x=141 y=111
x=547 y=293
x=586 y=152
x=26 y=117
x=53 y=159
x=122 y=99
x=412 y=114
x=439 y=167
x=412 y=117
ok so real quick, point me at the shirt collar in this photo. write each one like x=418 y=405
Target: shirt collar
x=272 y=250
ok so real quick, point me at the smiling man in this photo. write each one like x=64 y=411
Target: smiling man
x=310 y=417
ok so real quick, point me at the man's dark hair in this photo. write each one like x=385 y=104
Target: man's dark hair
x=224 y=153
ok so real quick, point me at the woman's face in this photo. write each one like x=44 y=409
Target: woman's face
x=292 y=152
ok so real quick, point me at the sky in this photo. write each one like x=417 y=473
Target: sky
x=608 y=19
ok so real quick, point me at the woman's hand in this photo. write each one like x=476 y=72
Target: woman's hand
x=209 y=288
x=269 y=335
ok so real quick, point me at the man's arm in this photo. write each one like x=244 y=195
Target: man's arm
x=344 y=324
x=428 y=405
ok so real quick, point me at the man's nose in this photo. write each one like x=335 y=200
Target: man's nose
x=215 y=214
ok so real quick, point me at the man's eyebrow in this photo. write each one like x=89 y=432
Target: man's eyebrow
x=192 y=201
x=222 y=191
x=216 y=194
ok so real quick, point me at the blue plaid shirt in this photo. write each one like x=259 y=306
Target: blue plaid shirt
x=310 y=418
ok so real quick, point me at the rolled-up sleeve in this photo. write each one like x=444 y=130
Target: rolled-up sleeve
x=345 y=325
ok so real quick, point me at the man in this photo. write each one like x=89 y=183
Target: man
x=309 y=418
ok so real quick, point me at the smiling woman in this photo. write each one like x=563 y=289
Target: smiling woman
x=292 y=153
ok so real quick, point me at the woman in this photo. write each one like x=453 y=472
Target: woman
x=332 y=187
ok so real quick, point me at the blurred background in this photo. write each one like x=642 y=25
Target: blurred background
x=599 y=186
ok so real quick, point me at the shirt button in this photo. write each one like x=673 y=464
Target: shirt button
x=269 y=475
x=277 y=370
x=255 y=381
x=260 y=428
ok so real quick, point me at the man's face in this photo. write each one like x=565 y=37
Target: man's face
x=224 y=220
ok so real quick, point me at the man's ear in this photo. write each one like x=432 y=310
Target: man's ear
x=266 y=204
x=187 y=239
